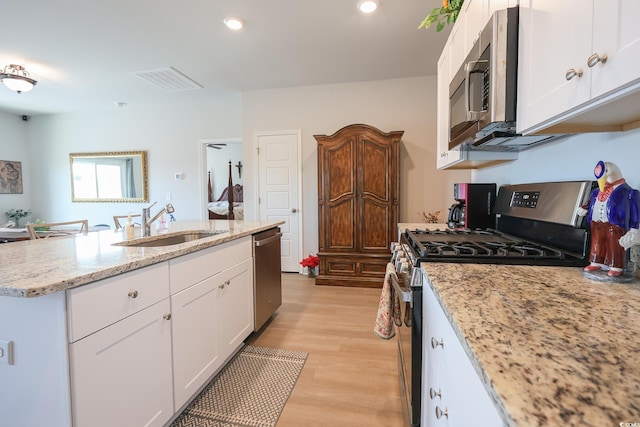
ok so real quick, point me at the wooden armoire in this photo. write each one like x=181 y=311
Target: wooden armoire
x=358 y=203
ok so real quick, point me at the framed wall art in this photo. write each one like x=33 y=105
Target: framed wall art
x=10 y=177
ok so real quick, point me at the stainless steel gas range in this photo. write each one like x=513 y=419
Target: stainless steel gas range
x=536 y=224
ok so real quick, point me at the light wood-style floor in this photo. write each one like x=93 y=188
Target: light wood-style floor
x=351 y=376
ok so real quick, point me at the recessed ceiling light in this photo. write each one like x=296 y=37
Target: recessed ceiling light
x=234 y=23
x=368 y=6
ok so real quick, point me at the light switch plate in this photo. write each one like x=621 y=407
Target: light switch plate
x=6 y=352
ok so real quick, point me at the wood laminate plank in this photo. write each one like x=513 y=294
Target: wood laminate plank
x=350 y=377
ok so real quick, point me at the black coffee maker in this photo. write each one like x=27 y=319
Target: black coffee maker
x=474 y=207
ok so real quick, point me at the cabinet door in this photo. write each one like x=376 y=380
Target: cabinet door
x=616 y=34
x=121 y=375
x=195 y=338
x=548 y=49
x=377 y=201
x=234 y=306
x=337 y=193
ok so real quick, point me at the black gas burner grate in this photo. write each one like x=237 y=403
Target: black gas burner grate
x=482 y=246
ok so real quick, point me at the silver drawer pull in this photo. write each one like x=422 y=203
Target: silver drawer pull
x=571 y=73
x=433 y=394
x=167 y=316
x=440 y=413
x=435 y=343
x=133 y=294
x=595 y=58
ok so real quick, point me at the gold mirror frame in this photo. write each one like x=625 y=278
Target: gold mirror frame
x=139 y=170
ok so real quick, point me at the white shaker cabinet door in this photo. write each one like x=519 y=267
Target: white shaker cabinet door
x=195 y=338
x=554 y=38
x=234 y=306
x=617 y=35
x=121 y=375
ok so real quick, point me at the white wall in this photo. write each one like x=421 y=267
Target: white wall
x=572 y=158
x=389 y=105
x=13 y=146
x=170 y=134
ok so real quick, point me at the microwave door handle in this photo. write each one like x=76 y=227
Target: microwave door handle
x=472 y=116
x=467 y=89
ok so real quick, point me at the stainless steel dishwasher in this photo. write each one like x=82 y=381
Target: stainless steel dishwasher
x=267 y=279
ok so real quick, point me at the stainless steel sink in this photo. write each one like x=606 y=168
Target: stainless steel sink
x=170 y=239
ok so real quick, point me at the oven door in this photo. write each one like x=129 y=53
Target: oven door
x=410 y=350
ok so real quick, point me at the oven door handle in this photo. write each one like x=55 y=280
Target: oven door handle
x=404 y=293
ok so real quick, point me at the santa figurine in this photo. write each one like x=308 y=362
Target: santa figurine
x=613 y=215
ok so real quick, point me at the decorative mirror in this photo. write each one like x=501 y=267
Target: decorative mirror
x=109 y=177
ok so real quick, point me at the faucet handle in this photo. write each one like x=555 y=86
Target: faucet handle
x=169 y=208
x=152 y=205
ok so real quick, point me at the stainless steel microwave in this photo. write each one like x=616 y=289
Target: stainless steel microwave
x=483 y=92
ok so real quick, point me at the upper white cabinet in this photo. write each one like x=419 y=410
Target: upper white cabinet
x=578 y=65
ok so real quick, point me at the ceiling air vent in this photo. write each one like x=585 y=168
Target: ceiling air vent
x=169 y=79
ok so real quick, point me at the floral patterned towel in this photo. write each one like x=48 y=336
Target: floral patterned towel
x=388 y=307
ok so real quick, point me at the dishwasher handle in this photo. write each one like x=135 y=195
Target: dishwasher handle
x=268 y=240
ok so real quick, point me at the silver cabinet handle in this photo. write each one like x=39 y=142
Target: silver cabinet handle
x=595 y=58
x=440 y=413
x=294 y=210
x=435 y=343
x=133 y=294
x=433 y=394
x=227 y=283
x=167 y=316
x=571 y=73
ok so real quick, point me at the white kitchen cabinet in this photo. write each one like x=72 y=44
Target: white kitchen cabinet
x=124 y=365
x=556 y=41
x=203 y=316
x=234 y=307
x=453 y=394
x=195 y=338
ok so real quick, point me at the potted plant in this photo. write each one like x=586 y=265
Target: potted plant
x=447 y=14
x=310 y=262
x=16 y=214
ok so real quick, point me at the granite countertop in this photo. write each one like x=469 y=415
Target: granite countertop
x=552 y=347
x=38 y=267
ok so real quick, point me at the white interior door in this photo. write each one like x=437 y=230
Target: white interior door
x=279 y=189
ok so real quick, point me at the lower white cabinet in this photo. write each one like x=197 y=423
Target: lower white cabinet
x=212 y=312
x=235 y=306
x=453 y=394
x=195 y=338
x=121 y=375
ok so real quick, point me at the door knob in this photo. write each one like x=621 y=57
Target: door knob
x=294 y=210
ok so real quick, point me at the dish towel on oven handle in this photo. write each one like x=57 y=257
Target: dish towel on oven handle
x=388 y=307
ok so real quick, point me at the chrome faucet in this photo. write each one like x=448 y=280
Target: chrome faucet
x=147 y=220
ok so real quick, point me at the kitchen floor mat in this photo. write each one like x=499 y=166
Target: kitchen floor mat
x=250 y=391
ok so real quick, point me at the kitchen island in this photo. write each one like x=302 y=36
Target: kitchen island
x=108 y=335
x=551 y=347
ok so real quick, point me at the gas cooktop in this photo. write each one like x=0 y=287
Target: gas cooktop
x=484 y=246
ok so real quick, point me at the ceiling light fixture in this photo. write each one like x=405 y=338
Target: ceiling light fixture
x=15 y=77
x=368 y=6
x=234 y=23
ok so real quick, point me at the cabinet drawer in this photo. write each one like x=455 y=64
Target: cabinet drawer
x=195 y=267
x=97 y=305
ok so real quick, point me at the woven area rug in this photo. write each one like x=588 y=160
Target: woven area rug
x=250 y=391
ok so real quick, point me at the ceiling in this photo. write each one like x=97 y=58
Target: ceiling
x=85 y=54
